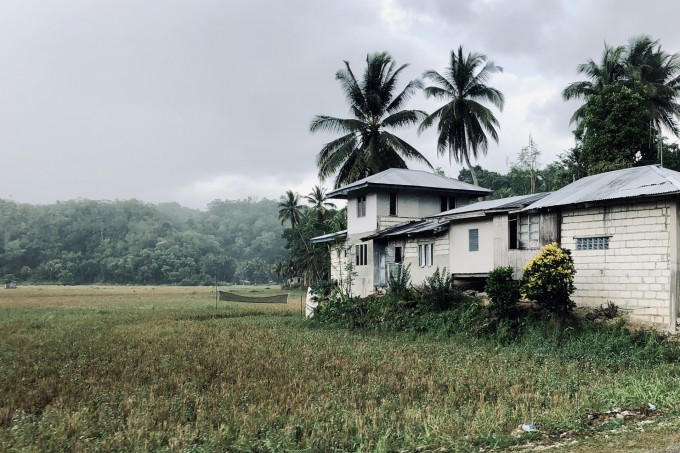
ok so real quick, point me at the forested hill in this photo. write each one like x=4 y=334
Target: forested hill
x=83 y=241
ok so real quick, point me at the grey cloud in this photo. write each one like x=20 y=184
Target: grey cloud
x=144 y=99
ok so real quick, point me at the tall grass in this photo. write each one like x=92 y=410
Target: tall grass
x=186 y=378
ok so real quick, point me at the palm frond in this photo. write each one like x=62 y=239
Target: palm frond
x=404 y=148
x=404 y=118
x=330 y=124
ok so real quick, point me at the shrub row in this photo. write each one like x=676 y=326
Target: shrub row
x=437 y=308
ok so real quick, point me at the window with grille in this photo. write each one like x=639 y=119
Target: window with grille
x=361 y=252
x=425 y=252
x=361 y=206
x=524 y=231
x=473 y=240
x=593 y=243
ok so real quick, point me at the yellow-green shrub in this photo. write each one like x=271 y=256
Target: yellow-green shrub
x=549 y=279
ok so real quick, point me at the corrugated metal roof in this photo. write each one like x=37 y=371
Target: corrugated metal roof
x=328 y=237
x=410 y=229
x=401 y=178
x=620 y=184
x=500 y=204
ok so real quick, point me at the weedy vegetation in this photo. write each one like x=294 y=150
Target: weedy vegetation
x=164 y=369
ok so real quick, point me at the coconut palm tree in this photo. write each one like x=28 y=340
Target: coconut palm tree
x=463 y=122
x=319 y=201
x=641 y=61
x=290 y=209
x=659 y=72
x=610 y=69
x=366 y=147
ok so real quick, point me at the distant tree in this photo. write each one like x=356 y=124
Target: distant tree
x=278 y=269
x=670 y=155
x=366 y=147
x=549 y=178
x=463 y=122
x=500 y=184
x=528 y=162
x=320 y=204
x=615 y=130
x=256 y=271
x=290 y=208
x=337 y=222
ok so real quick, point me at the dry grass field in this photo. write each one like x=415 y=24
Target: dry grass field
x=168 y=369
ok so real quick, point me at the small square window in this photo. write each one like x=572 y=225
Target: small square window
x=593 y=243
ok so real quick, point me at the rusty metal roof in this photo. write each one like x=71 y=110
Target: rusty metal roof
x=405 y=179
x=409 y=229
x=636 y=182
x=500 y=204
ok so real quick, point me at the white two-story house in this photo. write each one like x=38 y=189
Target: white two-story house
x=392 y=199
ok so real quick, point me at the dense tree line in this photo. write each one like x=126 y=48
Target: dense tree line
x=130 y=242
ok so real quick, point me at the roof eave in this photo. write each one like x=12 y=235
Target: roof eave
x=344 y=193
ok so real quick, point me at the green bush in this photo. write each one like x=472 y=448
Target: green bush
x=436 y=307
x=439 y=292
x=549 y=279
x=399 y=283
x=503 y=290
x=342 y=310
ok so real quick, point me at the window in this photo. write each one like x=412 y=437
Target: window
x=425 y=255
x=524 y=231
x=361 y=206
x=361 y=252
x=398 y=255
x=593 y=243
x=393 y=203
x=473 y=239
x=447 y=203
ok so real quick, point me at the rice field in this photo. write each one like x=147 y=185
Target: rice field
x=170 y=369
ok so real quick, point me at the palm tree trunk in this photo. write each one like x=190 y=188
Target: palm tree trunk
x=472 y=170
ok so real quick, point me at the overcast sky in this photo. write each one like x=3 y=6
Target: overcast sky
x=196 y=100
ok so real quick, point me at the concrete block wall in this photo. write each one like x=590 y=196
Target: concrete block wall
x=440 y=257
x=635 y=272
x=390 y=221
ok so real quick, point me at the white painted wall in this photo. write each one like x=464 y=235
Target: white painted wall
x=635 y=273
x=365 y=224
x=362 y=280
x=461 y=259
